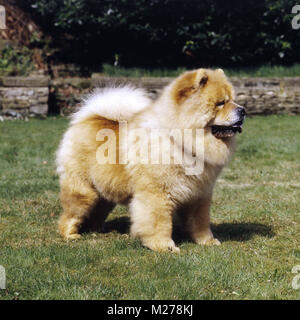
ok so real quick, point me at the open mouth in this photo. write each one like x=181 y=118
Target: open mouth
x=227 y=131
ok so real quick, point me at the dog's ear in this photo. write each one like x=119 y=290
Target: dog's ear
x=202 y=78
x=184 y=86
x=188 y=83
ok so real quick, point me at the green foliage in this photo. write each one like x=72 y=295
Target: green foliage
x=15 y=61
x=171 y=32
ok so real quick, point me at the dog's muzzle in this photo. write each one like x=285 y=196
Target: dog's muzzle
x=229 y=131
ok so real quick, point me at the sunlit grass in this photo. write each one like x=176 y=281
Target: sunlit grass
x=255 y=214
x=262 y=71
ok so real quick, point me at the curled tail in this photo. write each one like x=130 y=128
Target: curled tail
x=119 y=103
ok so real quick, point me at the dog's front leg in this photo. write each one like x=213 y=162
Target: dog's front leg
x=151 y=216
x=198 y=223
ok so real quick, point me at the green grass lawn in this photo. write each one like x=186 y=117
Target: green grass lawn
x=262 y=71
x=255 y=213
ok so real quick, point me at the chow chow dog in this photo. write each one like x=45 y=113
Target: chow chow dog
x=91 y=185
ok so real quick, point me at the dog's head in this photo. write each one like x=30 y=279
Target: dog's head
x=206 y=97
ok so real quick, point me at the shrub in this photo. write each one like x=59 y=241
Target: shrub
x=15 y=61
x=170 y=32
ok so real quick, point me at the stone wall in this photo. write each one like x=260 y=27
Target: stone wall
x=268 y=95
x=37 y=96
x=24 y=97
x=66 y=94
x=257 y=95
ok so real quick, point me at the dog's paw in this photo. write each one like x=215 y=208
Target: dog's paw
x=213 y=242
x=174 y=249
x=162 y=245
x=209 y=242
x=74 y=236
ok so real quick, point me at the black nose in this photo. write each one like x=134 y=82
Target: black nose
x=241 y=111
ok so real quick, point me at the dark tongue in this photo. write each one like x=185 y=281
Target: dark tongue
x=224 y=131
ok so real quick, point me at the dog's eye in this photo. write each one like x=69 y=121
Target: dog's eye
x=220 y=104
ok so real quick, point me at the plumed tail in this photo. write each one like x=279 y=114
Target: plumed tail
x=119 y=103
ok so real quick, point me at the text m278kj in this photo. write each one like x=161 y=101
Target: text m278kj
x=175 y=309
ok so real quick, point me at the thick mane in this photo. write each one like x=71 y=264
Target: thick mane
x=118 y=103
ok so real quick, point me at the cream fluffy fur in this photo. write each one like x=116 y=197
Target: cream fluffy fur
x=90 y=190
x=119 y=103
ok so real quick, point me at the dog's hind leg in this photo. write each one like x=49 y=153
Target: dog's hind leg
x=78 y=199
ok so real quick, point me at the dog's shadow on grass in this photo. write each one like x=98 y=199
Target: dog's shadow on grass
x=236 y=231
x=241 y=231
x=121 y=225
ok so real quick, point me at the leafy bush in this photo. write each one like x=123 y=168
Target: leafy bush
x=162 y=33
x=15 y=61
